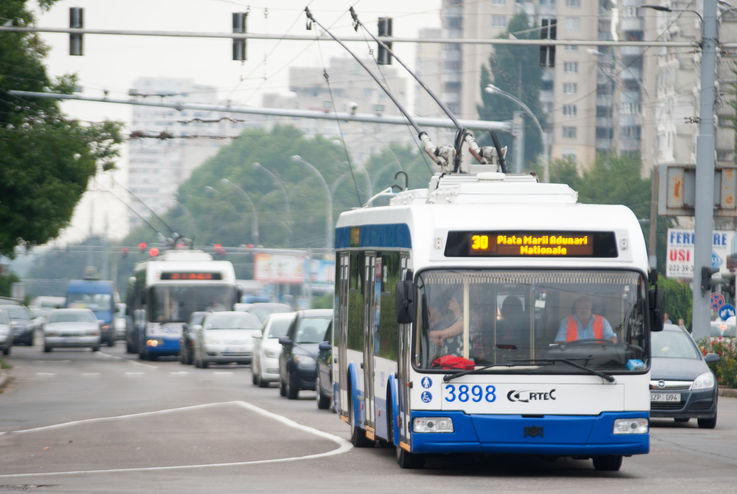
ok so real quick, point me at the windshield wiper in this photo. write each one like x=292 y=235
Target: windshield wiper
x=512 y=363
x=516 y=363
x=595 y=372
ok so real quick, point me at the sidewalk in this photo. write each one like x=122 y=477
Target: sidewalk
x=729 y=392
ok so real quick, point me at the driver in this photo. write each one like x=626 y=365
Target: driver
x=583 y=324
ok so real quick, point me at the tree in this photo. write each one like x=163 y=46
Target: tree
x=516 y=70
x=46 y=159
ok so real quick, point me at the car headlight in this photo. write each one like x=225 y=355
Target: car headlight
x=630 y=426
x=304 y=360
x=703 y=381
x=432 y=424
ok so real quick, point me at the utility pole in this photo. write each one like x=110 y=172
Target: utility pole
x=704 y=202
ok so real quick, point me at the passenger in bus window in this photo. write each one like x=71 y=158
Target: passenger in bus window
x=512 y=325
x=583 y=324
x=450 y=337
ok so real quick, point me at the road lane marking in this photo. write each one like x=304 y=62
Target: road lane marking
x=343 y=445
x=90 y=374
x=45 y=374
x=135 y=374
x=178 y=373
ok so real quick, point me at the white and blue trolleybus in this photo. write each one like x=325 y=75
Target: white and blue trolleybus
x=456 y=322
x=165 y=290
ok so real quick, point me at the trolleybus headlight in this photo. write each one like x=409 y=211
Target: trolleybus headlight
x=152 y=343
x=432 y=424
x=703 y=381
x=630 y=426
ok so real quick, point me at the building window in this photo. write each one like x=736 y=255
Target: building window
x=570 y=110
x=570 y=88
x=573 y=23
x=604 y=132
x=546 y=85
x=570 y=66
x=499 y=2
x=499 y=20
x=574 y=4
x=569 y=154
x=569 y=132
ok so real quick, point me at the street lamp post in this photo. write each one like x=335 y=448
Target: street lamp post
x=254 y=223
x=280 y=184
x=328 y=197
x=705 y=144
x=492 y=89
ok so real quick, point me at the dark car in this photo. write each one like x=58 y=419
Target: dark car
x=189 y=333
x=324 y=371
x=21 y=323
x=681 y=385
x=298 y=356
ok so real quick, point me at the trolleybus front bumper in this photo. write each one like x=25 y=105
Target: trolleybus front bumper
x=562 y=435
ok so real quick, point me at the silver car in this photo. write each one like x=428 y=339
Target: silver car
x=225 y=337
x=6 y=335
x=71 y=328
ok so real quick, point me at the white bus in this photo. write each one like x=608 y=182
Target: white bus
x=165 y=290
x=471 y=378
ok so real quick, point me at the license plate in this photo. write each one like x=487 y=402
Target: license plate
x=665 y=397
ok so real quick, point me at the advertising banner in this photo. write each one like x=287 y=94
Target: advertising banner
x=679 y=257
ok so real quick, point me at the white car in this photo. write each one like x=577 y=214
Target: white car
x=6 y=335
x=266 y=350
x=226 y=336
x=71 y=328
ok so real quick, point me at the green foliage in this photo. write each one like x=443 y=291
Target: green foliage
x=6 y=284
x=678 y=299
x=46 y=160
x=725 y=370
x=516 y=70
x=322 y=301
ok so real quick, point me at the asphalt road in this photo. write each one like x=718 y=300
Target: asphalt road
x=78 y=421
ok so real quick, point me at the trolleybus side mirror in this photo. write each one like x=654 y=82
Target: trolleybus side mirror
x=405 y=302
x=656 y=299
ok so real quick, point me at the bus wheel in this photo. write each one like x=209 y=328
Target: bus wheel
x=406 y=459
x=609 y=463
x=358 y=435
x=96 y=348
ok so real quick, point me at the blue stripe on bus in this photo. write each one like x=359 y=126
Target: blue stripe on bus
x=392 y=235
x=554 y=435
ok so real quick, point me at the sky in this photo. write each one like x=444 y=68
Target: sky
x=111 y=63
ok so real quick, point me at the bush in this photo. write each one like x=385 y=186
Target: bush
x=726 y=369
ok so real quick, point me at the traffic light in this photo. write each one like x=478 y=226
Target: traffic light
x=548 y=30
x=219 y=250
x=706 y=282
x=153 y=251
x=76 y=21
x=124 y=252
x=239 y=44
x=142 y=246
x=385 y=29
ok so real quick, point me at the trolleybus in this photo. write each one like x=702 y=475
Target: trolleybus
x=165 y=290
x=443 y=261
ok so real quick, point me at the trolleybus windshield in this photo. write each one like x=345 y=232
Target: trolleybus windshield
x=532 y=321
x=175 y=303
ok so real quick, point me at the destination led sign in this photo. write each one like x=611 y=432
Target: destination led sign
x=530 y=244
x=190 y=276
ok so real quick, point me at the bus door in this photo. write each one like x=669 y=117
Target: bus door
x=343 y=281
x=404 y=356
x=371 y=338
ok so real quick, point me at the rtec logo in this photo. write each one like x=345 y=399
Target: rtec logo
x=525 y=396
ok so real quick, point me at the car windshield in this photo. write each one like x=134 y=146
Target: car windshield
x=538 y=319
x=263 y=311
x=18 y=313
x=312 y=330
x=673 y=344
x=279 y=327
x=232 y=320
x=92 y=301
x=72 y=316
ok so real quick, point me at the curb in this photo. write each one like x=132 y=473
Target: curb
x=3 y=380
x=729 y=392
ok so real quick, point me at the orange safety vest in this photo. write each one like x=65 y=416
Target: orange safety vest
x=572 y=326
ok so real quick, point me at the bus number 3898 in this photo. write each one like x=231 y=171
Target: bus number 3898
x=475 y=393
